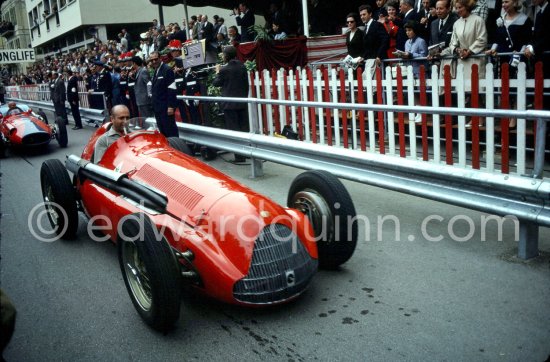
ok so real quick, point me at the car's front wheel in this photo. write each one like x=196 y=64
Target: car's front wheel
x=59 y=199
x=150 y=272
x=329 y=207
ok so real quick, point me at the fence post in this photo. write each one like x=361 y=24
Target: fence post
x=528 y=246
x=256 y=166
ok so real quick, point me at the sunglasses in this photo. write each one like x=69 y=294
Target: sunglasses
x=153 y=59
x=351 y=22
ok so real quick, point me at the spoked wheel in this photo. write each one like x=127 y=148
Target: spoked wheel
x=180 y=145
x=150 y=271
x=327 y=204
x=59 y=199
x=61 y=134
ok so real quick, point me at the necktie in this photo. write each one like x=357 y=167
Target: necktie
x=441 y=25
x=537 y=17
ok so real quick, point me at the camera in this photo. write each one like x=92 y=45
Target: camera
x=514 y=61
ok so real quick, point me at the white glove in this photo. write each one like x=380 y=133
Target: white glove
x=196 y=102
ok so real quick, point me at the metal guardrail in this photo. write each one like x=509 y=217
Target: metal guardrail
x=525 y=197
x=97 y=116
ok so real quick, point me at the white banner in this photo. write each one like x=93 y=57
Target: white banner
x=10 y=56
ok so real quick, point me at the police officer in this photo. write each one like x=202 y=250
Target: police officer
x=179 y=73
x=192 y=88
x=101 y=82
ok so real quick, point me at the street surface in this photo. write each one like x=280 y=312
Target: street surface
x=402 y=296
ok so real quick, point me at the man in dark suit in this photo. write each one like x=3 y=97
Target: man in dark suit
x=376 y=38
x=164 y=96
x=72 y=97
x=541 y=41
x=59 y=95
x=407 y=14
x=206 y=30
x=245 y=19
x=442 y=28
x=233 y=79
x=178 y=34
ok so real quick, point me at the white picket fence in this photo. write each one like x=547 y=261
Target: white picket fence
x=326 y=126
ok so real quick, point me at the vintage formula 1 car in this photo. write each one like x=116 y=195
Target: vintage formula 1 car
x=177 y=220
x=21 y=127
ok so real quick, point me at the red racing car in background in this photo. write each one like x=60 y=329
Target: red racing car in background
x=21 y=127
x=177 y=220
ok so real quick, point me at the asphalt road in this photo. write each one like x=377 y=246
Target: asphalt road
x=402 y=296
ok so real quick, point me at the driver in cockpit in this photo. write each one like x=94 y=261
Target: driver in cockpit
x=13 y=109
x=120 y=115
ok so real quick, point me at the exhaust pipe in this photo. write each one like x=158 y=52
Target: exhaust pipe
x=118 y=182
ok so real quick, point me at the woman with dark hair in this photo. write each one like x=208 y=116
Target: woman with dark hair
x=354 y=36
x=415 y=46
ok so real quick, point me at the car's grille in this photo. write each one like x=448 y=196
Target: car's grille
x=281 y=268
x=36 y=139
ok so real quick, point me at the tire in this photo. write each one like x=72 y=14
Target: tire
x=59 y=198
x=3 y=147
x=179 y=145
x=43 y=115
x=329 y=207
x=150 y=272
x=61 y=134
x=208 y=153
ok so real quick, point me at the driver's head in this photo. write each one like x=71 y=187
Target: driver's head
x=11 y=105
x=120 y=115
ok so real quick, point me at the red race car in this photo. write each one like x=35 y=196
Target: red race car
x=21 y=127
x=176 y=219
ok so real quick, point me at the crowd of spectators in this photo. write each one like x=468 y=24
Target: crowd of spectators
x=507 y=23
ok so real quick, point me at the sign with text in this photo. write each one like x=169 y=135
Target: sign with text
x=10 y=56
x=197 y=54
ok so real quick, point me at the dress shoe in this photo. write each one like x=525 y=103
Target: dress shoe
x=76 y=127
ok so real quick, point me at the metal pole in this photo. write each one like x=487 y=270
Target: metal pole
x=186 y=20
x=540 y=144
x=305 y=18
x=161 y=15
x=256 y=167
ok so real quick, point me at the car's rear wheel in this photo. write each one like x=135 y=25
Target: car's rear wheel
x=61 y=133
x=43 y=116
x=329 y=207
x=179 y=145
x=150 y=272
x=59 y=199
x=3 y=147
